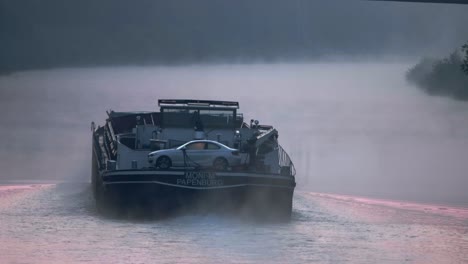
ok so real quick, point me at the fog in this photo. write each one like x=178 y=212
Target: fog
x=350 y=128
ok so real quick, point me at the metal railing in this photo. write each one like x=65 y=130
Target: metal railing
x=285 y=160
x=97 y=151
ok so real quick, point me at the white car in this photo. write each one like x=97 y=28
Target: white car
x=198 y=153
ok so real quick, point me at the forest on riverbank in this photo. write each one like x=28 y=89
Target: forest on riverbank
x=66 y=33
x=446 y=77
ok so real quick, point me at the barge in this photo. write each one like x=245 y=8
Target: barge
x=258 y=178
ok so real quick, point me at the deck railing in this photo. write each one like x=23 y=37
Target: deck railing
x=97 y=151
x=285 y=161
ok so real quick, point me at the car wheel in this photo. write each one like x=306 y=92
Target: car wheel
x=220 y=164
x=163 y=162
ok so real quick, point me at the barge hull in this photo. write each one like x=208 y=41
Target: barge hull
x=172 y=192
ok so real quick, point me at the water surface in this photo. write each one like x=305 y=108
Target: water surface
x=58 y=224
x=353 y=129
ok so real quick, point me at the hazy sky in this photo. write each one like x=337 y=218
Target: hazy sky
x=54 y=33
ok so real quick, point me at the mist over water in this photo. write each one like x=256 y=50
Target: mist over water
x=351 y=128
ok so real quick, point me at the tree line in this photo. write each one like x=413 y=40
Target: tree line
x=69 y=33
x=446 y=77
x=465 y=61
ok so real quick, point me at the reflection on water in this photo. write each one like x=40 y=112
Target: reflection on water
x=58 y=224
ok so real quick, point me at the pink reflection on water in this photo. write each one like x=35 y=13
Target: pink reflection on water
x=11 y=193
x=458 y=212
x=410 y=232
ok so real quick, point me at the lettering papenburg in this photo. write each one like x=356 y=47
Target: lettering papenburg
x=199 y=178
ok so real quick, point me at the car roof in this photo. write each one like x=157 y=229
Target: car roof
x=203 y=140
x=206 y=141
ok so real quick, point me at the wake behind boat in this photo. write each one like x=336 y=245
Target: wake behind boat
x=191 y=154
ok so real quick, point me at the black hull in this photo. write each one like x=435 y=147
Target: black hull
x=166 y=200
x=179 y=191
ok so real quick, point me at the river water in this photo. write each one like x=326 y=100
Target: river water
x=58 y=224
x=353 y=129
